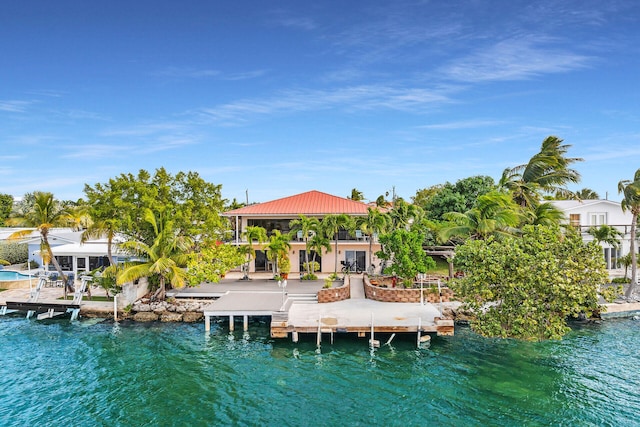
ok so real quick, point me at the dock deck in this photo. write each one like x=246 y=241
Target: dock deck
x=291 y=317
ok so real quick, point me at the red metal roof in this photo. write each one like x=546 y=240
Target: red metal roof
x=309 y=203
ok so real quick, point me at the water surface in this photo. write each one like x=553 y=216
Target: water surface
x=106 y=374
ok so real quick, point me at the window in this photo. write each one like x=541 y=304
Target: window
x=574 y=220
x=597 y=218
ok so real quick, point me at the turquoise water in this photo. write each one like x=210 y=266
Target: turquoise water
x=12 y=275
x=105 y=374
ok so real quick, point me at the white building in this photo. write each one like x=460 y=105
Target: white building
x=593 y=213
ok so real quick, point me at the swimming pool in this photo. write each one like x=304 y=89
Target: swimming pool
x=8 y=275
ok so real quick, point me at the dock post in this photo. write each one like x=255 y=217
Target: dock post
x=115 y=308
x=207 y=323
x=419 y=327
x=373 y=343
x=319 y=337
x=245 y=322
x=231 y=323
x=294 y=336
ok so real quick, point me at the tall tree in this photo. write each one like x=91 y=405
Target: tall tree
x=605 y=234
x=250 y=234
x=6 y=205
x=307 y=226
x=103 y=228
x=374 y=224
x=193 y=204
x=548 y=171
x=631 y=202
x=494 y=213
x=332 y=224
x=44 y=214
x=356 y=195
x=458 y=197
x=277 y=248
x=166 y=257
x=544 y=214
x=587 y=194
x=525 y=287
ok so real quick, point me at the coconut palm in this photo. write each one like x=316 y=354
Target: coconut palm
x=606 y=234
x=631 y=202
x=494 y=213
x=544 y=214
x=587 y=194
x=331 y=225
x=102 y=228
x=166 y=257
x=43 y=214
x=307 y=226
x=373 y=224
x=548 y=171
x=403 y=214
x=276 y=248
x=317 y=243
x=250 y=234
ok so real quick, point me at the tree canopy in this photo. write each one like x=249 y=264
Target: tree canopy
x=192 y=203
x=526 y=287
x=459 y=197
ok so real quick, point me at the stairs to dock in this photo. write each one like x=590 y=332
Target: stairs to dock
x=303 y=298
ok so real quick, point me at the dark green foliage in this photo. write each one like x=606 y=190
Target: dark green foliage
x=192 y=204
x=14 y=252
x=404 y=249
x=6 y=205
x=458 y=197
x=526 y=287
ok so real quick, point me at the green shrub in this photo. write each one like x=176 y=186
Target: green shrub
x=313 y=266
x=4 y=262
x=309 y=277
x=621 y=280
x=14 y=252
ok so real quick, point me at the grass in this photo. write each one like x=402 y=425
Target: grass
x=442 y=267
x=94 y=298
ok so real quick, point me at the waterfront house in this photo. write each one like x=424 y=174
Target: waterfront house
x=584 y=214
x=277 y=214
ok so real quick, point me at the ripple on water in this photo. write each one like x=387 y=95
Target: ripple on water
x=132 y=374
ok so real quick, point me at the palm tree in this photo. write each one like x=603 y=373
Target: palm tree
x=277 y=247
x=102 y=228
x=403 y=214
x=167 y=256
x=606 y=234
x=43 y=214
x=356 y=195
x=547 y=171
x=544 y=214
x=373 y=224
x=332 y=224
x=587 y=194
x=631 y=202
x=317 y=243
x=307 y=226
x=494 y=213
x=252 y=233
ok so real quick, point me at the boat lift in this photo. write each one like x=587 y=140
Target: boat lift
x=48 y=310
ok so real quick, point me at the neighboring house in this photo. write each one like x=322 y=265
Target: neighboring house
x=84 y=257
x=57 y=237
x=72 y=255
x=594 y=213
x=277 y=214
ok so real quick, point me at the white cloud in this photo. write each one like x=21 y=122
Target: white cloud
x=15 y=106
x=514 y=59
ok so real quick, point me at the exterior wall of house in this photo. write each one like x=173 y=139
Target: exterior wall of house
x=359 y=249
x=595 y=213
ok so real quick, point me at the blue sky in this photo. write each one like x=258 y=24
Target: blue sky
x=282 y=97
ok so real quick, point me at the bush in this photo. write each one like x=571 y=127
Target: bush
x=621 y=280
x=313 y=266
x=14 y=252
x=309 y=277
